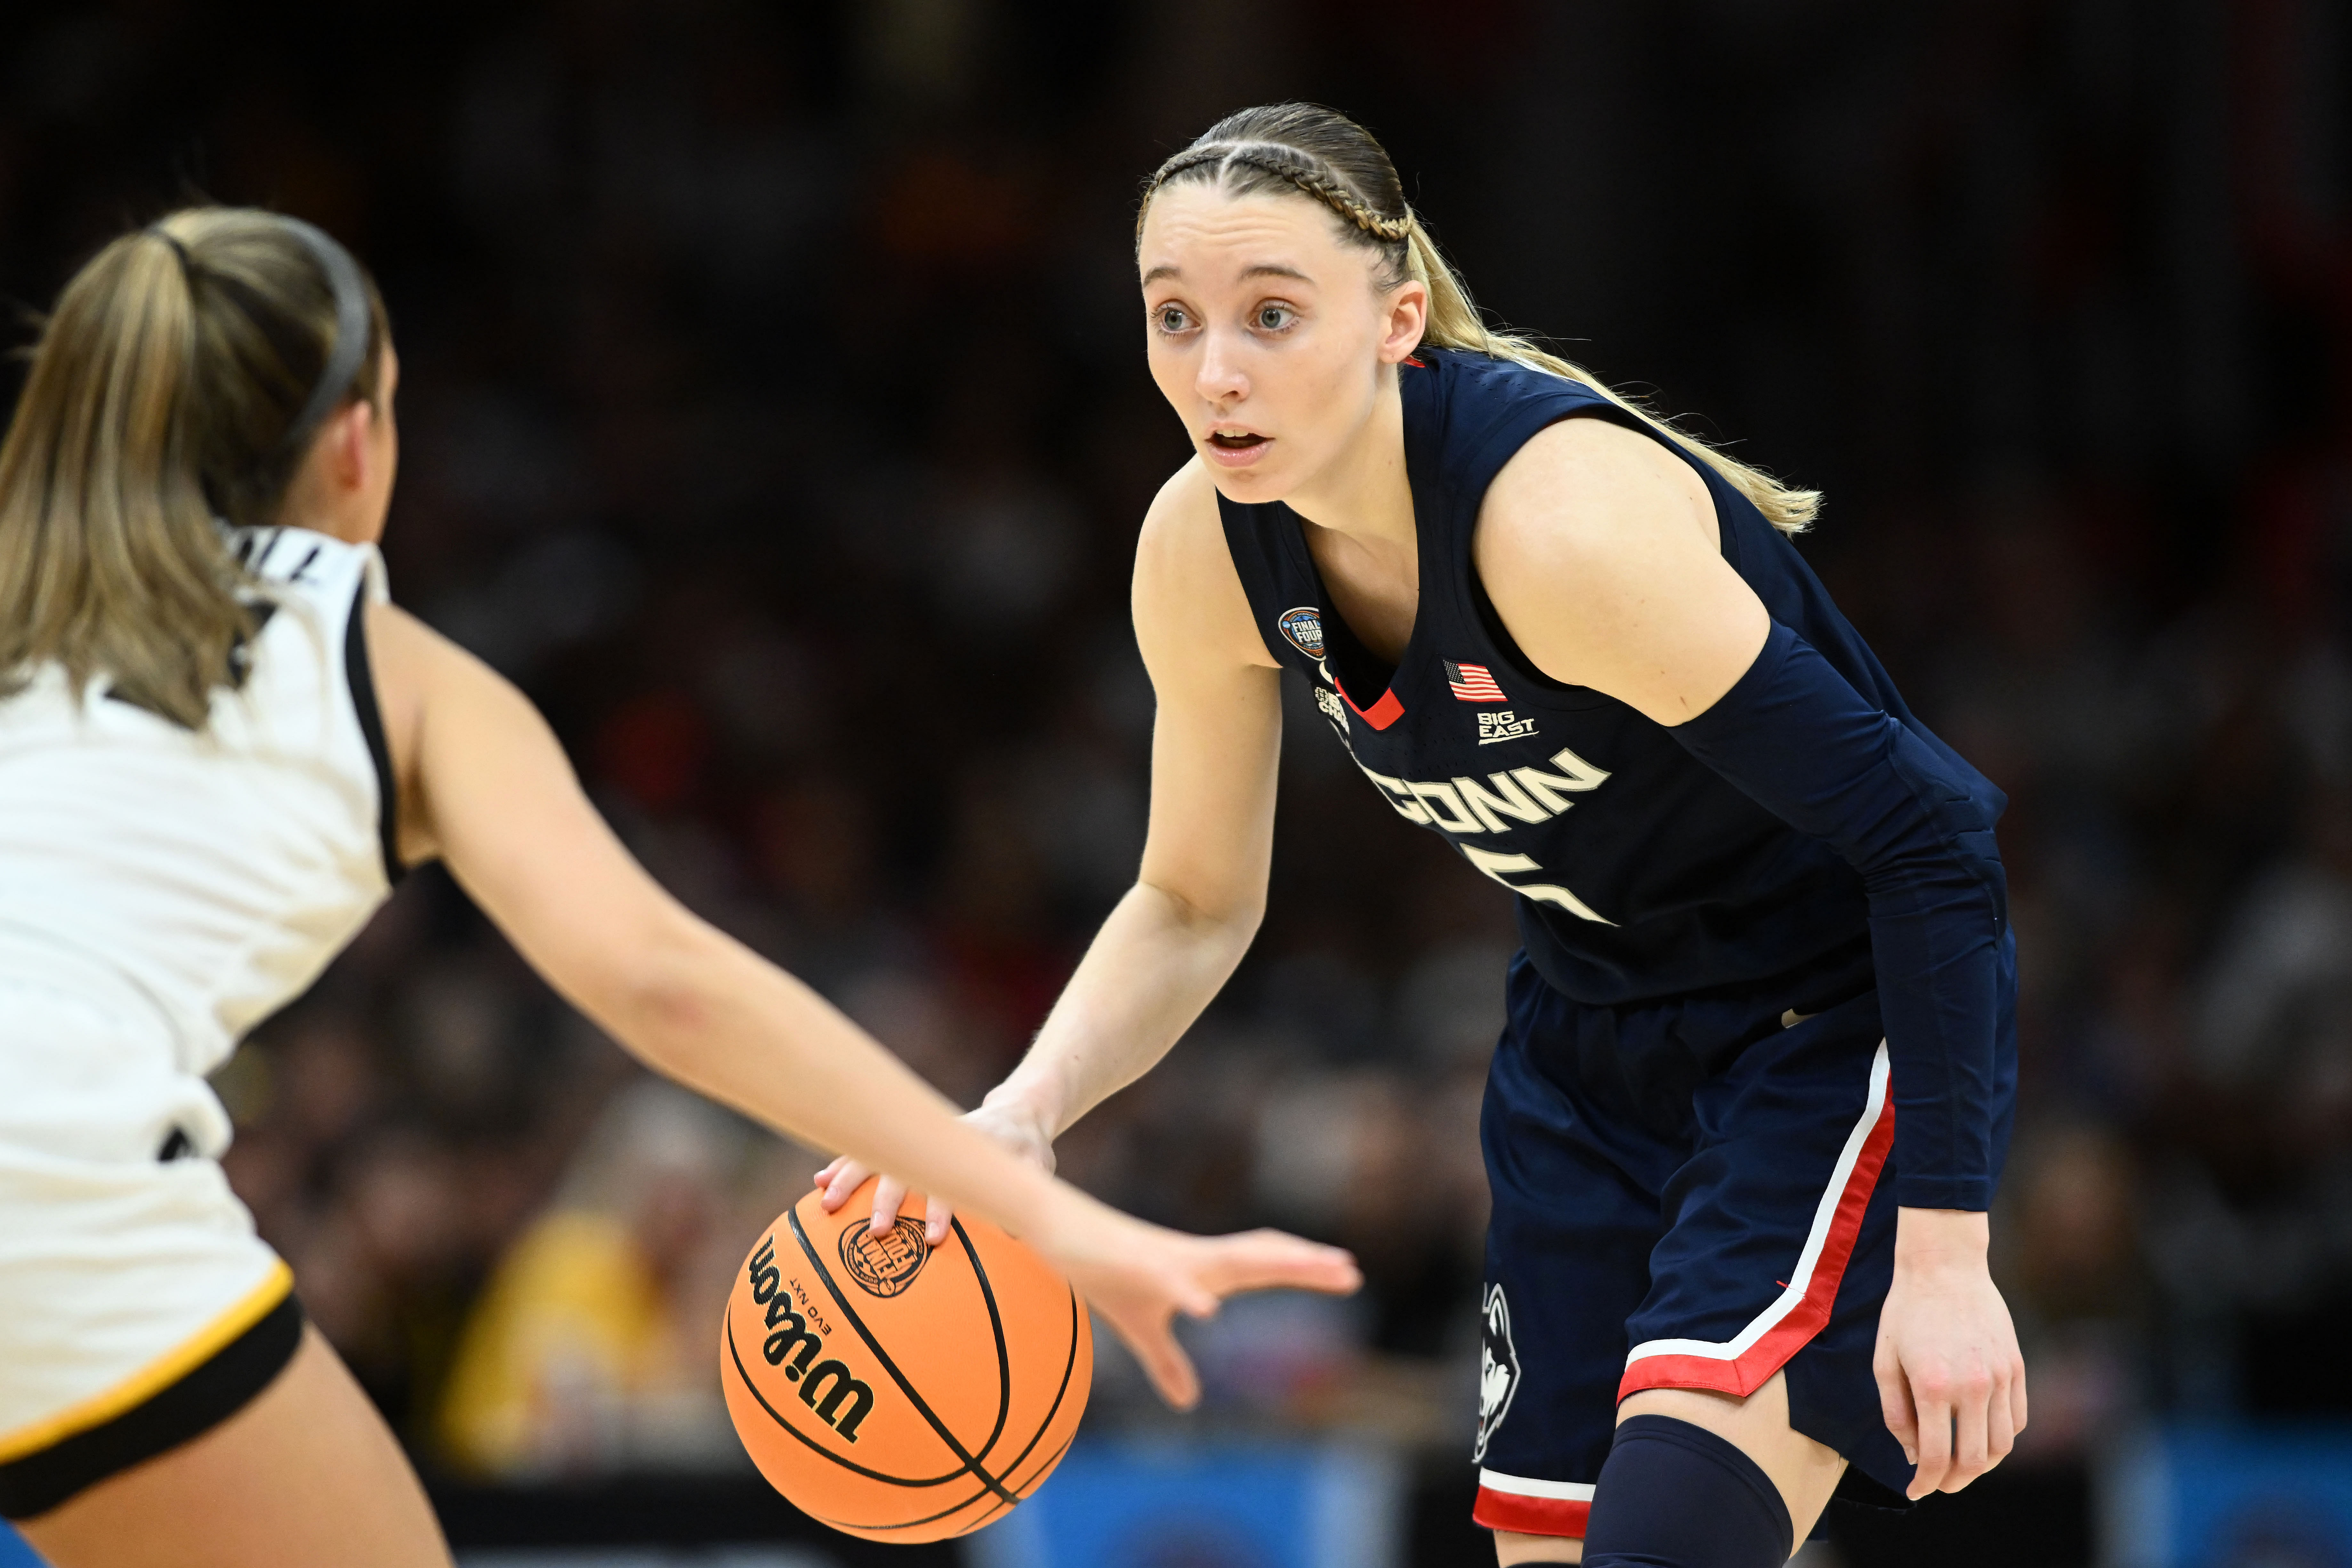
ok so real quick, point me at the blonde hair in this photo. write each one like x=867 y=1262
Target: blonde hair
x=1324 y=155
x=168 y=390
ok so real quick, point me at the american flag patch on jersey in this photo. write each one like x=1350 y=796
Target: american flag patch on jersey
x=1473 y=683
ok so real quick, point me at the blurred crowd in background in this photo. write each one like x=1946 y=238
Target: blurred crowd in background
x=773 y=411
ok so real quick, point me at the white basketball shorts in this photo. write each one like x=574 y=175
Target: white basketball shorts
x=138 y=1309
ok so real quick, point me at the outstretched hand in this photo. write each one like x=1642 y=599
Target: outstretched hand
x=1136 y=1277
x=1951 y=1381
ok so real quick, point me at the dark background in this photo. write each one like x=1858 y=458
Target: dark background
x=775 y=411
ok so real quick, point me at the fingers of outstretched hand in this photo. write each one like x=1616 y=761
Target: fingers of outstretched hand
x=889 y=1192
x=1265 y=1260
x=1152 y=1337
x=840 y=1179
x=936 y=1215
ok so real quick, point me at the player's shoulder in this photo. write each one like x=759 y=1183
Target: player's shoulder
x=1599 y=447
x=1184 y=508
x=1187 y=588
x=1591 y=484
x=1183 y=533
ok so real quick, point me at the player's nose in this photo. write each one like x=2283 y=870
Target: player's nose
x=1220 y=378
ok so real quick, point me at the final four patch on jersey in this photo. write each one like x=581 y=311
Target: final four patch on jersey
x=1303 y=628
x=1499 y=1369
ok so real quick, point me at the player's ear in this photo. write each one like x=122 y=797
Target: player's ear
x=1407 y=311
x=348 y=444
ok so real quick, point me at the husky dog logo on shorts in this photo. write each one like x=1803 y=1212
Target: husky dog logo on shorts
x=1499 y=1370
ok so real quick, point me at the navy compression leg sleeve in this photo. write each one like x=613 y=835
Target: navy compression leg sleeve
x=1676 y=1496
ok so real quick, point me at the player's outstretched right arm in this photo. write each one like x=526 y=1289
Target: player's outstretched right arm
x=485 y=787
x=1174 y=939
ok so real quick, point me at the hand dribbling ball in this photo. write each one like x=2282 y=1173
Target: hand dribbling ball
x=896 y=1390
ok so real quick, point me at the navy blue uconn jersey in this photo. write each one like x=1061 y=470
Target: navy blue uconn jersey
x=1642 y=873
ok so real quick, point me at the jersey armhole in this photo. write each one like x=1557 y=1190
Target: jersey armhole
x=1490 y=620
x=360 y=677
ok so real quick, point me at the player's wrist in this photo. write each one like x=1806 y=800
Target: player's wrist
x=1941 y=1240
x=1034 y=1101
x=1071 y=1226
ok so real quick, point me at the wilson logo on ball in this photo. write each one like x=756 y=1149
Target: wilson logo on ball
x=793 y=1344
x=885 y=1264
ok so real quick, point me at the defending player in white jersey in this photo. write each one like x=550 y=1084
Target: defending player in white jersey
x=219 y=744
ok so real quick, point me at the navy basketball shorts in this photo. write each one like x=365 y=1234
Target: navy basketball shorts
x=1660 y=1225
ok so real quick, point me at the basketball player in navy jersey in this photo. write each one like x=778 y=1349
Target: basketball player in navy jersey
x=1745 y=1123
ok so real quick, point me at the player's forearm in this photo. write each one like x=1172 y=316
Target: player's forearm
x=1148 y=973
x=716 y=1018
x=1916 y=822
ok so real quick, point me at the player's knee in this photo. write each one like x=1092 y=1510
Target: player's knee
x=1674 y=1495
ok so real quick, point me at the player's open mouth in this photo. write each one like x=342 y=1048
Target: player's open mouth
x=1232 y=447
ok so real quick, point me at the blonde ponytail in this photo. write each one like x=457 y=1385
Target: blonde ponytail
x=1456 y=322
x=160 y=394
x=1324 y=155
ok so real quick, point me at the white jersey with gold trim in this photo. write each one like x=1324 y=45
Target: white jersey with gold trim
x=200 y=881
x=161 y=892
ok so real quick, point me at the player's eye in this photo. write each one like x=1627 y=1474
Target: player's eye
x=1171 y=318
x=1274 y=318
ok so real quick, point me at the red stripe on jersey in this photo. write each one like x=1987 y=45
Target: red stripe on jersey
x=1530 y=1515
x=1744 y=1374
x=1381 y=714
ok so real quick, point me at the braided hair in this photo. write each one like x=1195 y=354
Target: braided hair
x=1327 y=157
x=1298 y=168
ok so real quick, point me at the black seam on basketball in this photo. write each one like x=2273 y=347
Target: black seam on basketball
x=1068 y=1366
x=905 y=1388
x=811 y=1443
x=996 y=1323
x=1047 y=1464
x=979 y=1495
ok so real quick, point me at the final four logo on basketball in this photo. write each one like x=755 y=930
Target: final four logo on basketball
x=887 y=1264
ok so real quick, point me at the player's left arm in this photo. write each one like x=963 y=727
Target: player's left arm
x=1601 y=552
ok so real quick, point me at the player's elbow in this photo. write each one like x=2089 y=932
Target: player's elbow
x=661 y=995
x=1223 y=916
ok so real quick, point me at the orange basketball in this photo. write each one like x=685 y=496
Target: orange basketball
x=896 y=1390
